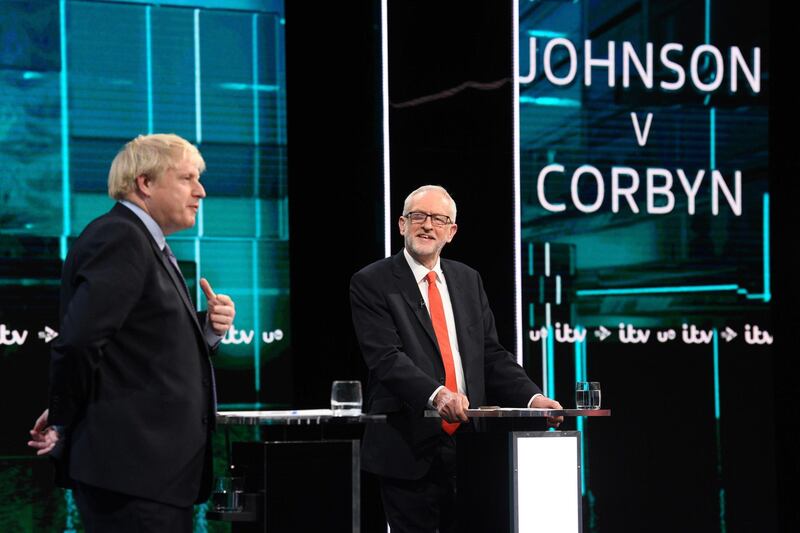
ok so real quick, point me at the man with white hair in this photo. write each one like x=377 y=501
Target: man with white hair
x=132 y=393
x=428 y=337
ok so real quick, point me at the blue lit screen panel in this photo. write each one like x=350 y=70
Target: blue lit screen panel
x=78 y=79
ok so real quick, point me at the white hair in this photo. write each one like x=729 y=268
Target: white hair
x=426 y=188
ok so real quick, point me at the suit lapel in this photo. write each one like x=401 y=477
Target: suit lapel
x=408 y=287
x=121 y=210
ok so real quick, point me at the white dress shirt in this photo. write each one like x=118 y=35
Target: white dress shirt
x=420 y=271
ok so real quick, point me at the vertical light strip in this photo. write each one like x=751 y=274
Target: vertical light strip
x=547 y=259
x=197 y=108
x=256 y=317
x=765 y=250
x=516 y=156
x=547 y=348
x=579 y=427
x=579 y=420
x=530 y=259
x=66 y=200
x=578 y=357
x=717 y=427
x=198 y=292
x=256 y=131
x=387 y=205
x=530 y=273
x=580 y=375
x=283 y=207
x=149 y=62
x=254 y=65
x=550 y=383
x=544 y=361
x=584 y=373
x=558 y=289
x=716 y=373
x=257 y=204
x=198 y=132
x=712 y=115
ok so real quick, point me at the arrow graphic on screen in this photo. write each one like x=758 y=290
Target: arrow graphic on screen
x=728 y=334
x=601 y=333
x=48 y=334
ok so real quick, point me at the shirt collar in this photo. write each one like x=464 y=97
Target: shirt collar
x=151 y=225
x=420 y=271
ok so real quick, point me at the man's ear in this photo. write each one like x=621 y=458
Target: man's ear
x=143 y=185
x=452 y=233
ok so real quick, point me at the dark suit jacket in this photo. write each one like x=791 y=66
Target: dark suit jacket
x=398 y=343
x=130 y=369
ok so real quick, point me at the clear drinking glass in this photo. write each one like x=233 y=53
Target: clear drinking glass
x=587 y=395
x=346 y=398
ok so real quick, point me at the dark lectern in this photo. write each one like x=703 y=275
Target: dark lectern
x=303 y=476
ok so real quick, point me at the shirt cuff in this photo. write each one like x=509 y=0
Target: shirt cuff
x=430 y=400
x=530 y=403
x=212 y=338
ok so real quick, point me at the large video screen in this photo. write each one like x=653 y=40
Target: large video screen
x=81 y=78
x=645 y=244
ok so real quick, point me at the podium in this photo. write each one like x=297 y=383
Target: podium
x=516 y=477
x=304 y=474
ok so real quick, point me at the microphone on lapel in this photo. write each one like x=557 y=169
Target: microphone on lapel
x=421 y=302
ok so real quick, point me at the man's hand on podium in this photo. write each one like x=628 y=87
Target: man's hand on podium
x=451 y=406
x=44 y=437
x=543 y=402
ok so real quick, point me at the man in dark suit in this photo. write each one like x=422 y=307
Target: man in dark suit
x=132 y=395
x=428 y=337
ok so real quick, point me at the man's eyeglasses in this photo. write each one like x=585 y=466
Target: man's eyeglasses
x=417 y=217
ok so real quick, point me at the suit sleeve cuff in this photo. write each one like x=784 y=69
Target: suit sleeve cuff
x=212 y=338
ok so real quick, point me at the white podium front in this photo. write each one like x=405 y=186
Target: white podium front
x=546 y=491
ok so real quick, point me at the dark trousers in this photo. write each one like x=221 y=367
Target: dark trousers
x=105 y=511
x=426 y=505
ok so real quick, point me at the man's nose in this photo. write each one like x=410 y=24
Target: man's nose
x=200 y=192
x=428 y=223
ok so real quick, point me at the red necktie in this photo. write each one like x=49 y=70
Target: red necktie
x=443 y=339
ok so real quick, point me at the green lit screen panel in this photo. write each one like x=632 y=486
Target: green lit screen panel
x=172 y=58
x=81 y=78
x=645 y=206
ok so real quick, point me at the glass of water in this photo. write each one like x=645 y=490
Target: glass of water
x=587 y=395
x=346 y=398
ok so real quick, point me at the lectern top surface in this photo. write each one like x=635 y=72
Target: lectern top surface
x=292 y=417
x=518 y=412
